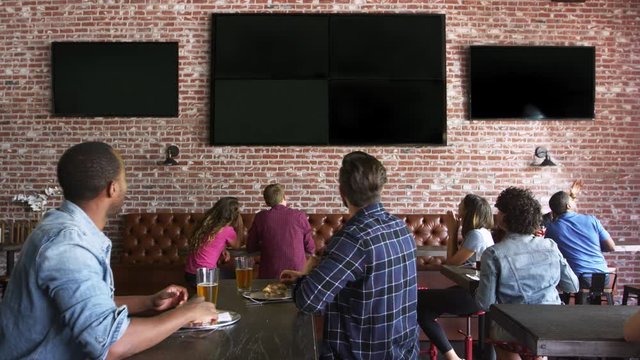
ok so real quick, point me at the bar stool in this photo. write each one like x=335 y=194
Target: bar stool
x=468 y=339
x=601 y=285
x=630 y=291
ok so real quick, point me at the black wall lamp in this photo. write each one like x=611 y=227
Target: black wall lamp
x=171 y=152
x=543 y=153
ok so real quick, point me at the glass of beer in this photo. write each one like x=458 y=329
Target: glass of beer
x=207 y=284
x=244 y=273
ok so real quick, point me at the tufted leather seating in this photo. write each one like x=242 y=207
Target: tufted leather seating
x=154 y=245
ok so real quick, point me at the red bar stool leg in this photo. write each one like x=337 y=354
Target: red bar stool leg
x=433 y=352
x=468 y=340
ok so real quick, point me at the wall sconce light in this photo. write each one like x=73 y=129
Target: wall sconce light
x=171 y=152
x=543 y=153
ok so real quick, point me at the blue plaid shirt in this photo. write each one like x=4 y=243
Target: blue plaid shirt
x=366 y=286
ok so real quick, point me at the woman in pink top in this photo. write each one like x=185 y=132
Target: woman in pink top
x=221 y=225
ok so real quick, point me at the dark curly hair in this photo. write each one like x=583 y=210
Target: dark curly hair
x=85 y=169
x=521 y=211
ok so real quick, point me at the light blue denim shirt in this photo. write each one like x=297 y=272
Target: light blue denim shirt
x=59 y=303
x=523 y=269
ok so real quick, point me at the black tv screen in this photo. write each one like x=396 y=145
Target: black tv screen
x=115 y=78
x=532 y=82
x=328 y=79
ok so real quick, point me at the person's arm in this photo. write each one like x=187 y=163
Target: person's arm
x=342 y=263
x=253 y=237
x=165 y=299
x=632 y=328
x=473 y=242
x=606 y=243
x=143 y=333
x=74 y=279
x=486 y=293
x=238 y=225
x=576 y=186
x=309 y=244
x=462 y=255
x=568 y=279
x=231 y=237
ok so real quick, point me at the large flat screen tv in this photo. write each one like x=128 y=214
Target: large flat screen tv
x=328 y=79
x=136 y=79
x=532 y=82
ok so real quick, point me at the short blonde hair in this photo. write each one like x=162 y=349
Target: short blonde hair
x=273 y=194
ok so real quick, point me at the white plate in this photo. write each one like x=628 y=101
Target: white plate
x=262 y=296
x=218 y=324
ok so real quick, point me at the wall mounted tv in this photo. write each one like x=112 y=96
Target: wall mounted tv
x=328 y=79
x=532 y=82
x=136 y=79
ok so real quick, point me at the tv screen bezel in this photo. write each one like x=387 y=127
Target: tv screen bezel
x=530 y=118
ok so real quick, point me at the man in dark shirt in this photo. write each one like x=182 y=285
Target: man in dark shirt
x=281 y=234
x=365 y=283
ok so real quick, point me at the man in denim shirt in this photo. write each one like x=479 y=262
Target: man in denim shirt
x=522 y=268
x=59 y=303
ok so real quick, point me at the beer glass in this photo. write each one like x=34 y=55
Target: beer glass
x=207 y=284
x=244 y=273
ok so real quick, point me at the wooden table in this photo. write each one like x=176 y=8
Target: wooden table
x=268 y=331
x=458 y=274
x=566 y=330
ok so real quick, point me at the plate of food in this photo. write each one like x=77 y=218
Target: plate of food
x=273 y=291
x=225 y=318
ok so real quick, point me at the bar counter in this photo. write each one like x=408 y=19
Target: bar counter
x=267 y=331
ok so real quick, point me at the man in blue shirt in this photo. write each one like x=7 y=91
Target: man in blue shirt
x=365 y=283
x=59 y=303
x=580 y=238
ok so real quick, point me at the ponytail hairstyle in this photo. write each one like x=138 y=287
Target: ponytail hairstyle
x=477 y=214
x=225 y=211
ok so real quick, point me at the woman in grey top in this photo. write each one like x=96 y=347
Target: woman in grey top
x=475 y=214
x=522 y=268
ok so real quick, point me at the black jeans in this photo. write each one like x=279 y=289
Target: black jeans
x=434 y=302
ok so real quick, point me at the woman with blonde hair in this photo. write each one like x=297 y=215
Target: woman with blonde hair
x=222 y=225
x=476 y=217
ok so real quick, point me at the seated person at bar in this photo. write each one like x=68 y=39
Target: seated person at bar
x=632 y=328
x=522 y=268
x=221 y=225
x=580 y=238
x=475 y=214
x=365 y=283
x=281 y=234
x=59 y=303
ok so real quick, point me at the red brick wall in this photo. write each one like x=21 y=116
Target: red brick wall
x=481 y=156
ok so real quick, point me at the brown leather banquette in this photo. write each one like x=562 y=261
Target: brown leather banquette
x=155 y=244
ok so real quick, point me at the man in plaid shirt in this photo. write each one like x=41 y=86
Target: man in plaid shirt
x=365 y=283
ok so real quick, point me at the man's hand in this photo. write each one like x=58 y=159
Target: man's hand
x=168 y=298
x=201 y=311
x=289 y=276
x=454 y=216
x=575 y=188
x=311 y=264
x=224 y=258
